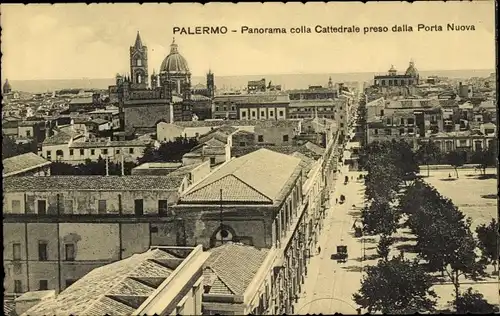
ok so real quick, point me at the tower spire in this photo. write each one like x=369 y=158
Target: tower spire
x=138 y=41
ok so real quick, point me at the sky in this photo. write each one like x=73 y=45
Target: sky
x=71 y=41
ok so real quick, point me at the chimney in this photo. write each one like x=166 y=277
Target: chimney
x=29 y=299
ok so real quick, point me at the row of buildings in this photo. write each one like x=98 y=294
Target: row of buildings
x=51 y=222
x=454 y=117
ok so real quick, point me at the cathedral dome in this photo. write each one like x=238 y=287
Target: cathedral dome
x=411 y=70
x=174 y=62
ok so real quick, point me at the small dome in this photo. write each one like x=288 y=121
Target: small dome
x=412 y=71
x=174 y=62
x=392 y=70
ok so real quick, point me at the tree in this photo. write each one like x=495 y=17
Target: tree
x=428 y=153
x=396 y=286
x=488 y=237
x=379 y=218
x=484 y=158
x=384 y=246
x=455 y=159
x=474 y=303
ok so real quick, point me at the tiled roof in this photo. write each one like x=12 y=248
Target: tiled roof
x=62 y=137
x=199 y=97
x=105 y=144
x=99 y=121
x=287 y=150
x=118 y=288
x=236 y=123
x=92 y=183
x=315 y=148
x=88 y=100
x=22 y=162
x=260 y=176
x=231 y=268
x=8 y=307
x=306 y=162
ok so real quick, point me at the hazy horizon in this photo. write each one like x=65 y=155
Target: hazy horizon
x=270 y=74
x=288 y=81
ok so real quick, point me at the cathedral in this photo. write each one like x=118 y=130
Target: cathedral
x=169 y=95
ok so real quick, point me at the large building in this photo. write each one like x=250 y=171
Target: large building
x=167 y=98
x=51 y=223
x=161 y=281
x=252 y=106
x=447 y=122
x=393 y=79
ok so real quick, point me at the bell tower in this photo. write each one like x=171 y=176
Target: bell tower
x=210 y=84
x=139 y=64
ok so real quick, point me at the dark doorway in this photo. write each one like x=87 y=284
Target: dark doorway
x=42 y=207
x=139 y=207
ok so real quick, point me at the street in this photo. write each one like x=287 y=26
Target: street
x=329 y=285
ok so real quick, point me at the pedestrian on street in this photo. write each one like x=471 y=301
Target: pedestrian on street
x=319 y=250
x=336 y=200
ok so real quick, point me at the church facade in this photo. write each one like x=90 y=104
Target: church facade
x=167 y=97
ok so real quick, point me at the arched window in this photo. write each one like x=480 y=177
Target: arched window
x=222 y=235
x=139 y=78
x=139 y=62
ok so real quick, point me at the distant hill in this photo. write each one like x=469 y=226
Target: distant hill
x=288 y=81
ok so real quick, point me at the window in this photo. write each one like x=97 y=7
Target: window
x=28 y=133
x=388 y=131
x=71 y=152
x=70 y=252
x=388 y=121
x=163 y=207
x=243 y=114
x=233 y=108
x=16 y=251
x=411 y=121
x=131 y=150
x=261 y=138
x=42 y=207
x=104 y=151
x=381 y=112
x=16 y=206
x=42 y=251
x=101 y=207
x=92 y=152
x=285 y=138
x=271 y=113
x=139 y=62
x=242 y=144
x=216 y=108
x=212 y=160
x=281 y=113
x=117 y=151
x=43 y=285
x=139 y=207
x=82 y=152
x=375 y=131
x=49 y=154
x=410 y=131
x=262 y=113
x=342 y=125
x=18 y=286
x=254 y=114
x=401 y=131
